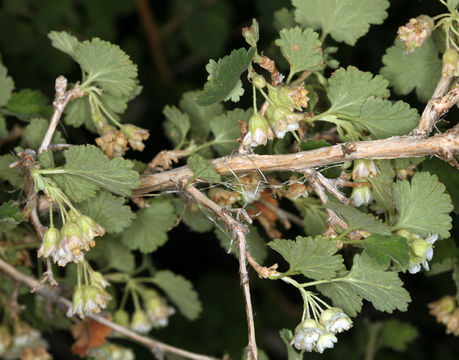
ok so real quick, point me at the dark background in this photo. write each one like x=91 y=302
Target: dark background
x=191 y=32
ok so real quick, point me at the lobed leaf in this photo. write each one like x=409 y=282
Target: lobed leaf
x=176 y=126
x=423 y=206
x=203 y=169
x=301 y=48
x=64 y=42
x=315 y=258
x=407 y=72
x=180 y=291
x=10 y=216
x=149 y=230
x=87 y=169
x=226 y=130
x=6 y=85
x=36 y=130
x=28 y=103
x=344 y=20
x=385 y=249
x=224 y=76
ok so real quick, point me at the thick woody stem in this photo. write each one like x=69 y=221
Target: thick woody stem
x=239 y=231
x=51 y=294
x=391 y=148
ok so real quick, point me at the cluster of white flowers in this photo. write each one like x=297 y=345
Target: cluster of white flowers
x=311 y=335
x=67 y=244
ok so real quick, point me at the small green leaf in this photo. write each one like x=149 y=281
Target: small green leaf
x=315 y=215
x=27 y=104
x=111 y=253
x=3 y=129
x=10 y=216
x=396 y=334
x=255 y=243
x=176 y=125
x=200 y=116
x=77 y=112
x=107 y=65
x=108 y=211
x=6 y=86
x=381 y=189
x=349 y=89
x=181 y=292
x=356 y=219
x=344 y=20
x=423 y=206
x=87 y=169
x=406 y=72
x=149 y=230
x=203 y=169
x=315 y=258
x=225 y=76
x=286 y=336
x=301 y=49
x=64 y=42
x=226 y=131
x=36 y=130
x=384 y=119
x=46 y=159
x=284 y=19
x=385 y=249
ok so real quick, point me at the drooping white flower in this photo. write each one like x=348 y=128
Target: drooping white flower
x=361 y=196
x=421 y=252
x=325 y=341
x=140 y=322
x=335 y=320
x=306 y=335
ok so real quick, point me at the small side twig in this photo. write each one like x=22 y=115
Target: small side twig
x=51 y=294
x=239 y=232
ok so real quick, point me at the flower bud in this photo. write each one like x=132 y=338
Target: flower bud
x=259 y=81
x=251 y=34
x=415 y=32
x=50 y=242
x=72 y=237
x=450 y=60
x=121 y=317
x=140 y=322
x=77 y=303
x=98 y=279
x=89 y=229
x=364 y=168
x=259 y=131
x=442 y=308
x=135 y=136
x=361 y=195
x=157 y=310
x=335 y=320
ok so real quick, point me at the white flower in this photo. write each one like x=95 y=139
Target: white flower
x=306 y=335
x=335 y=320
x=140 y=322
x=361 y=196
x=326 y=341
x=421 y=253
x=414 y=268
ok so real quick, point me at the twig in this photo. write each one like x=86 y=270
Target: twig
x=392 y=148
x=154 y=41
x=61 y=100
x=239 y=231
x=51 y=294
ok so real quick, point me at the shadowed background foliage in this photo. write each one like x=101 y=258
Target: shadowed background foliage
x=171 y=56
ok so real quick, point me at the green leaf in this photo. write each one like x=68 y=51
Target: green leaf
x=3 y=129
x=108 y=211
x=284 y=18
x=181 y=292
x=344 y=20
x=226 y=131
x=302 y=49
x=149 y=230
x=312 y=144
x=448 y=175
x=368 y=280
x=385 y=249
x=111 y=253
x=397 y=334
x=6 y=85
x=10 y=216
x=64 y=42
x=356 y=219
x=286 y=336
x=12 y=175
x=36 y=130
x=225 y=76
x=200 y=116
x=87 y=169
x=423 y=206
x=77 y=112
x=452 y=4
x=107 y=65
x=343 y=296
x=176 y=125
x=46 y=159
x=406 y=72
x=381 y=189
x=349 y=89
x=315 y=215
x=315 y=258
x=203 y=169
x=27 y=104
x=384 y=119
x=255 y=243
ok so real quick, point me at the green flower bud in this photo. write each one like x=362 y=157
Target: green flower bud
x=71 y=237
x=140 y=322
x=50 y=242
x=259 y=131
x=361 y=195
x=121 y=317
x=259 y=81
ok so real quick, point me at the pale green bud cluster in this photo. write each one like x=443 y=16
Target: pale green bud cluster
x=312 y=335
